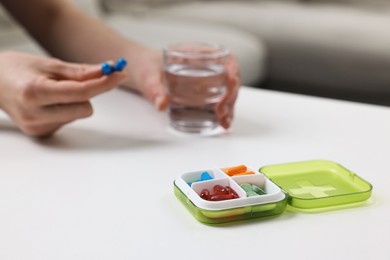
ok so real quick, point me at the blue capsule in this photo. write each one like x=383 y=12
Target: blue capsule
x=109 y=67
x=106 y=68
x=120 y=64
x=204 y=176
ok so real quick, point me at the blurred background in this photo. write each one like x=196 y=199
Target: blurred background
x=332 y=48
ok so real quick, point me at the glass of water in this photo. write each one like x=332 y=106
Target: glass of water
x=195 y=82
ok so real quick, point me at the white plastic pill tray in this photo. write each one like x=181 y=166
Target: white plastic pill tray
x=306 y=185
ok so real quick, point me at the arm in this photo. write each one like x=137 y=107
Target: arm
x=69 y=34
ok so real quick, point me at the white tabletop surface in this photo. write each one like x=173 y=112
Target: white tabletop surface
x=102 y=188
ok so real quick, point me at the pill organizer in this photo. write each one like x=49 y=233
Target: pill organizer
x=308 y=185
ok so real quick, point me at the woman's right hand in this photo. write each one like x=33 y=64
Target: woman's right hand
x=42 y=94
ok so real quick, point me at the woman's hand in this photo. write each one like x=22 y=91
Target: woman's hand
x=42 y=94
x=146 y=77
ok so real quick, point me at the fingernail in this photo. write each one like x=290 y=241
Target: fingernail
x=226 y=122
x=158 y=102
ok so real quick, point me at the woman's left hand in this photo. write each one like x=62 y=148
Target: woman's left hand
x=146 y=77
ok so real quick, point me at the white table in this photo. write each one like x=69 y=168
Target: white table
x=102 y=188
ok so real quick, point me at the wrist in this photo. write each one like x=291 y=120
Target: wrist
x=144 y=67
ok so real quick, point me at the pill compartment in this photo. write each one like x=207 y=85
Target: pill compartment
x=196 y=176
x=197 y=187
x=272 y=192
x=243 y=207
x=316 y=184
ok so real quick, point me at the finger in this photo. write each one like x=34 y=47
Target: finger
x=65 y=112
x=153 y=90
x=233 y=78
x=41 y=131
x=225 y=108
x=226 y=113
x=73 y=71
x=232 y=83
x=58 y=114
x=49 y=91
x=52 y=118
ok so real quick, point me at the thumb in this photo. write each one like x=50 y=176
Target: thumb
x=153 y=89
x=155 y=93
x=161 y=102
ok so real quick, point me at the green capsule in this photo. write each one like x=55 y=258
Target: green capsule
x=258 y=190
x=251 y=194
x=246 y=187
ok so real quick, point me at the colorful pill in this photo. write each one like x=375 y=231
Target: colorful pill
x=205 y=194
x=220 y=193
x=251 y=194
x=244 y=173
x=216 y=197
x=246 y=187
x=258 y=190
x=220 y=190
x=109 y=67
x=106 y=68
x=235 y=170
x=252 y=189
x=231 y=191
x=204 y=176
x=120 y=64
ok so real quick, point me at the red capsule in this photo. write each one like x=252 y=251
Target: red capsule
x=205 y=194
x=215 y=197
x=231 y=191
x=220 y=190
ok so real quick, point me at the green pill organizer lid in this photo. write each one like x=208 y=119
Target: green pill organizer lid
x=318 y=184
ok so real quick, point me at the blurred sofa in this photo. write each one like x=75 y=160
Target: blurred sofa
x=331 y=48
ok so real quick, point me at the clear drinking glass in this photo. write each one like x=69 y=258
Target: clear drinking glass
x=195 y=82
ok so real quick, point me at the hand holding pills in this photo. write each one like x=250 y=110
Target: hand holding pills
x=109 y=67
x=42 y=94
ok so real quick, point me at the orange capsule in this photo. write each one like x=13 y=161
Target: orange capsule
x=244 y=173
x=235 y=170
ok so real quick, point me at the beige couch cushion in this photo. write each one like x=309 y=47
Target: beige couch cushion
x=157 y=32
x=142 y=6
x=339 y=47
x=89 y=6
x=353 y=2
x=6 y=21
x=137 y=6
x=14 y=37
x=146 y=2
